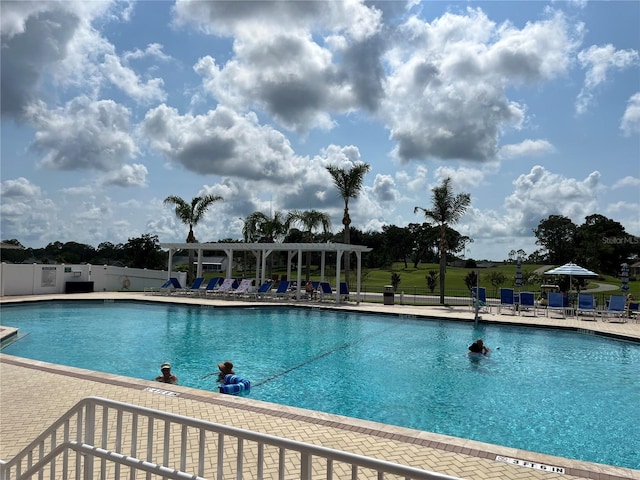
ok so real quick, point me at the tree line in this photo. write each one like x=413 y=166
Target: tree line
x=600 y=244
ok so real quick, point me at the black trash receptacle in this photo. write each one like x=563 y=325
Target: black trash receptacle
x=388 y=295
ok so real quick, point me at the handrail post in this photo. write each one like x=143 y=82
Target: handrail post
x=89 y=437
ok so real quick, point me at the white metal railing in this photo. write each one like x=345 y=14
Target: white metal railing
x=101 y=438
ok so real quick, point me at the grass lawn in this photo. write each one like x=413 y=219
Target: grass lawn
x=412 y=280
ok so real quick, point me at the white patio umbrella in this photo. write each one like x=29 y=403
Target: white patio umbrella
x=572 y=270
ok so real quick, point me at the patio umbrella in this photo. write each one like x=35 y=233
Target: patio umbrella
x=624 y=278
x=519 y=273
x=572 y=270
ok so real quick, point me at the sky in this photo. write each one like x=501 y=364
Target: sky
x=533 y=108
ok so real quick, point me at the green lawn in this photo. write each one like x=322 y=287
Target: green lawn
x=412 y=280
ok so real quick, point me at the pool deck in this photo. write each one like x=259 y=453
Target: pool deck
x=34 y=394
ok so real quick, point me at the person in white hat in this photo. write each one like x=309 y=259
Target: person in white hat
x=167 y=376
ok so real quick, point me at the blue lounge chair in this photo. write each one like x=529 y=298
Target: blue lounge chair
x=212 y=285
x=586 y=305
x=282 y=290
x=344 y=291
x=507 y=300
x=194 y=288
x=527 y=303
x=616 y=309
x=325 y=290
x=264 y=290
x=156 y=290
x=555 y=303
x=481 y=297
x=634 y=308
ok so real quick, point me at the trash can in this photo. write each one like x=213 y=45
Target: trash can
x=388 y=295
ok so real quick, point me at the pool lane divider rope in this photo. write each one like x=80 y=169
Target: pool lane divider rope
x=322 y=355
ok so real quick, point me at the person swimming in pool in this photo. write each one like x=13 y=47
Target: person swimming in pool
x=225 y=368
x=479 y=347
x=167 y=376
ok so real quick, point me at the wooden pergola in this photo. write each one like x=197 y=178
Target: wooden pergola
x=261 y=252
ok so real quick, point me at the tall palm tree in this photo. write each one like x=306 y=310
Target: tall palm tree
x=310 y=221
x=191 y=214
x=349 y=184
x=446 y=209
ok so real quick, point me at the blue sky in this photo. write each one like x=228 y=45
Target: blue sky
x=533 y=108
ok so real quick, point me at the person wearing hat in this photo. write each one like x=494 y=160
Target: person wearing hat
x=167 y=376
x=225 y=368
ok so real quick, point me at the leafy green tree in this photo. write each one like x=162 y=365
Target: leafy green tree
x=425 y=242
x=191 y=214
x=15 y=251
x=446 y=209
x=602 y=244
x=556 y=234
x=144 y=252
x=398 y=243
x=349 y=184
x=310 y=221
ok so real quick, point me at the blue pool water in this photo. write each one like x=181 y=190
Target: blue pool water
x=561 y=393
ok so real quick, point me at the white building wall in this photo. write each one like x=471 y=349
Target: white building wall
x=39 y=279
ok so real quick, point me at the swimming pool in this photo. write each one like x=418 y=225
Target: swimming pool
x=555 y=392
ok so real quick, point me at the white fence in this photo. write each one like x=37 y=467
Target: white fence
x=39 y=279
x=100 y=438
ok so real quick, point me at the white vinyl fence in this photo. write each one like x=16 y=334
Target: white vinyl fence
x=39 y=279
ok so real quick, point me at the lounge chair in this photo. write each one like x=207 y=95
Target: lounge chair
x=344 y=291
x=170 y=286
x=481 y=299
x=507 y=300
x=586 y=305
x=555 y=303
x=616 y=309
x=282 y=290
x=193 y=289
x=226 y=286
x=634 y=307
x=212 y=285
x=156 y=290
x=527 y=303
x=264 y=290
x=325 y=291
x=243 y=287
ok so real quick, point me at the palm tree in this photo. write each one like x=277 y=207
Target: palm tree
x=310 y=220
x=259 y=227
x=349 y=184
x=191 y=214
x=446 y=209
